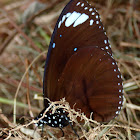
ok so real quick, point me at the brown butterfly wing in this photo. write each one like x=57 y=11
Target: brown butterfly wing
x=70 y=35
x=91 y=79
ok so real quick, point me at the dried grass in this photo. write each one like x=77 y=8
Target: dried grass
x=22 y=56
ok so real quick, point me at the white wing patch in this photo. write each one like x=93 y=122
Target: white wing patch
x=63 y=18
x=59 y=24
x=77 y=18
x=91 y=22
x=81 y=20
x=68 y=14
x=71 y=19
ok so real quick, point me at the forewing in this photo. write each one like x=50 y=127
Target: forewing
x=78 y=25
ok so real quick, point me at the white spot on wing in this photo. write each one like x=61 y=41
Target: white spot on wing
x=82 y=4
x=118 y=76
x=70 y=20
x=106 y=47
x=68 y=14
x=120 y=102
x=63 y=18
x=113 y=63
x=105 y=41
x=75 y=49
x=97 y=16
x=78 y=3
x=97 y=22
x=117 y=112
x=59 y=24
x=86 y=8
x=90 y=9
x=53 y=45
x=81 y=19
x=91 y=22
x=119 y=107
x=93 y=13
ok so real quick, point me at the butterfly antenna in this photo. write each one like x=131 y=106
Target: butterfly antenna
x=74 y=130
x=72 y=127
x=42 y=130
x=62 y=131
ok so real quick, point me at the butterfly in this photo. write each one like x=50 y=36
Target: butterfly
x=81 y=68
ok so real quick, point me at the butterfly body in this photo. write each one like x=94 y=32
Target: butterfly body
x=57 y=119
